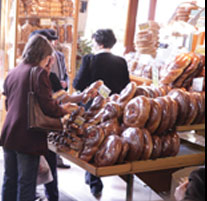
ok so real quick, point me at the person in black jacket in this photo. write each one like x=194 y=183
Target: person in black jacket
x=104 y=66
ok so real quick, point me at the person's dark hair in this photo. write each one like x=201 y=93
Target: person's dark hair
x=196 y=187
x=105 y=37
x=36 y=49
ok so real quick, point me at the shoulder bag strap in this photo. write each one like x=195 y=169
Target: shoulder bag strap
x=31 y=79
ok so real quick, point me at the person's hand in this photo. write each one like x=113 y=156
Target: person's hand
x=92 y=91
x=180 y=191
x=63 y=84
x=70 y=107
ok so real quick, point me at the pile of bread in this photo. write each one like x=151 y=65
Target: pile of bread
x=147 y=38
x=67 y=8
x=182 y=71
x=183 y=11
x=177 y=73
x=145 y=70
x=53 y=8
x=137 y=124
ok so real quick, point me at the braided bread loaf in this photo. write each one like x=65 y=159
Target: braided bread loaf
x=137 y=112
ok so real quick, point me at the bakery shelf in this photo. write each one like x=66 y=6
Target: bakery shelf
x=12 y=21
x=196 y=127
x=194 y=134
x=47 y=17
x=189 y=155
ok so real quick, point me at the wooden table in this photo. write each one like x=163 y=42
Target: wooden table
x=189 y=155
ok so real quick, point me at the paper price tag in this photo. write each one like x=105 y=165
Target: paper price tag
x=155 y=76
x=61 y=22
x=45 y=22
x=200 y=50
x=198 y=84
x=79 y=121
x=144 y=26
x=104 y=91
x=190 y=45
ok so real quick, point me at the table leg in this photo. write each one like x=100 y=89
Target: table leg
x=130 y=181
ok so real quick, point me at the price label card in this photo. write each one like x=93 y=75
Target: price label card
x=200 y=50
x=104 y=91
x=155 y=76
x=144 y=26
x=198 y=84
x=45 y=22
x=79 y=121
x=61 y=22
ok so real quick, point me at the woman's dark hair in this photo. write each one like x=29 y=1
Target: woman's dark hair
x=105 y=37
x=36 y=49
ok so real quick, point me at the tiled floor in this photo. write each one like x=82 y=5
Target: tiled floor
x=72 y=182
x=73 y=188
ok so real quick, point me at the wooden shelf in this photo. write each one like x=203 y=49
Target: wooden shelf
x=47 y=17
x=189 y=155
x=191 y=127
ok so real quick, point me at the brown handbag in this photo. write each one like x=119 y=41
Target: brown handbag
x=37 y=120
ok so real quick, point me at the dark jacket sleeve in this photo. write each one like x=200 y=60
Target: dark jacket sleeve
x=126 y=78
x=83 y=77
x=64 y=74
x=55 y=82
x=44 y=93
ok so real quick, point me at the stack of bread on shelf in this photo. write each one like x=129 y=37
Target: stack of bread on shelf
x=55 y=8
x=30 y=7
x=183 y=11
x=41 y=14
x=137 y=124
x=25 y=30
x=51 y=8
x=67 y=8
x=178 y=72
x=147 y=38
x=22 y=10
x=182 y=70
x=43 y=7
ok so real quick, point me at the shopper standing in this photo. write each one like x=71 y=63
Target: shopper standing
x=21 y=146
x=103 y=65
x=59 y=80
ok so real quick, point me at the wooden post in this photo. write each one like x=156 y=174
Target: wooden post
x=130 y=25
x=16 y=31
x=74 y=45
x=152 y=9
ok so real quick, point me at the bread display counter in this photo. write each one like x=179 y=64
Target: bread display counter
x=189 y=155
x=132 y=132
